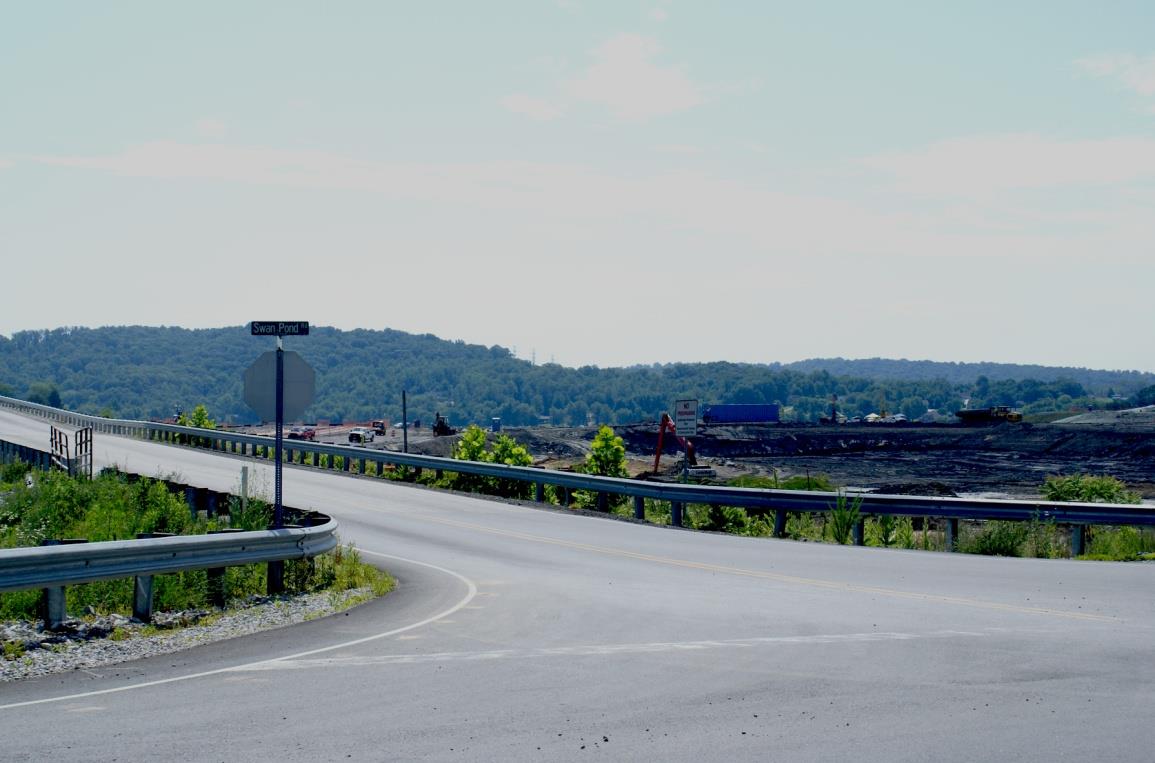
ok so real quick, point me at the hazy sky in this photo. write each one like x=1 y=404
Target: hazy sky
x=597 y=183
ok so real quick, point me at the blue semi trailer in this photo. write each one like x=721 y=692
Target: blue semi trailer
x=738 y=413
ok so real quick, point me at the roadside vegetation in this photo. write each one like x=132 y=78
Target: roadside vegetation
x=36 y=506
x=1036 y=538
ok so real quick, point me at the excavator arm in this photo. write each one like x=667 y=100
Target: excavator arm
x=668 y=424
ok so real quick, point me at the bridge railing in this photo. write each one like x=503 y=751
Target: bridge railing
x=758 y=501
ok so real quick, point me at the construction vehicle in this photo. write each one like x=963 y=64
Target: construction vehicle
x=378 y=426
x=692 y=467
x=995 y=415
x=441 y=426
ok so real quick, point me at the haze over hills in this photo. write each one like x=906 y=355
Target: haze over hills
x=1096 y=381
x=149 y=372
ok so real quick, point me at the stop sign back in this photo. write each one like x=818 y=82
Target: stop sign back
x=261 y=386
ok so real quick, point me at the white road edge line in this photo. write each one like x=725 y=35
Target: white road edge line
x=469 y=596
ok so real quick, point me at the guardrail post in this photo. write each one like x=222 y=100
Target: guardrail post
x=676 y=513
x=142 y=586
x=603 y=501
x=142 y=598
x=951 y=533
x=780 y=523
x=53 y=601
x=55 y=612
x=859 y=533
x=1078 y=540
x=639 y=507
x=539 y=492
x=565 y=496
x=215 y=585
x=276 y=577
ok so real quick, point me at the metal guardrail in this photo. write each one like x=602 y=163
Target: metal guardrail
x=47 y=566
x=53 y=567
x=753 y=500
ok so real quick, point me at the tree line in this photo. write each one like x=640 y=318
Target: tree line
x=141 y=372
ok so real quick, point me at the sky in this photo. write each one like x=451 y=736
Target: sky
x=592 y=183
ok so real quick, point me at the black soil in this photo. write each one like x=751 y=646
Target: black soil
x=1011 y=459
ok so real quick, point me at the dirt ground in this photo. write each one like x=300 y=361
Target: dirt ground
x=1009 y=460
x=1004 y=460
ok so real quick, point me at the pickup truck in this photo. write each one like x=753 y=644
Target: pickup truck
x=360 y=435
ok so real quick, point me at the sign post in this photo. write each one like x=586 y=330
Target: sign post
x=685 y=426
x=256 y=391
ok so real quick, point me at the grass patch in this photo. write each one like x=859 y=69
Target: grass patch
x=1120 y=544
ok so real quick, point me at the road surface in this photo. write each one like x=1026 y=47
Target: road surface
x=521 y=633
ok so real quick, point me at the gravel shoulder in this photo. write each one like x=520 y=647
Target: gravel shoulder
x=95 y=642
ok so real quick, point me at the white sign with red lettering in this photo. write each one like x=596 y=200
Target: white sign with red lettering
x=686 y=418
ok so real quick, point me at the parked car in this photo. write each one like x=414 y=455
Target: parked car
x=302 y=433
x=360 y=435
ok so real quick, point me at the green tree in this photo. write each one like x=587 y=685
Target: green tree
x=607 y=457
x=471 y=447
x=199 y=418
x=1145 y=396
x=43 y=393
x=509 y=451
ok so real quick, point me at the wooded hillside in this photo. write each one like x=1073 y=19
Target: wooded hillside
x=149 y=372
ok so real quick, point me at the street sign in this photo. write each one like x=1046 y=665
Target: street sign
x=686 y=418
x=280 y=328
x=261 y=386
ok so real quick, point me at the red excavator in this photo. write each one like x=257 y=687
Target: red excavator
x=687 y=446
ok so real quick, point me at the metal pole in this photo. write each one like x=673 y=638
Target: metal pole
x=404 y=423
x=275 y=580
x=278 y=516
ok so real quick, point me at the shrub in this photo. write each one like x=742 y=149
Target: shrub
x=507 y=450
x=718 y=518
x=1120 y=544
x=844 y=515
x=607 y=457
x=1044 y=540
x=801 y=526
x=882 y=530
x=13 y=472
x=997 y=538
x=471 y=447
x=904 y=533
x=1087 y=488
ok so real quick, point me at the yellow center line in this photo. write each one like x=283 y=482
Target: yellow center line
x=833 y=585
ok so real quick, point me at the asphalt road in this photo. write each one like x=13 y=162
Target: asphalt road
x=522 y=633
